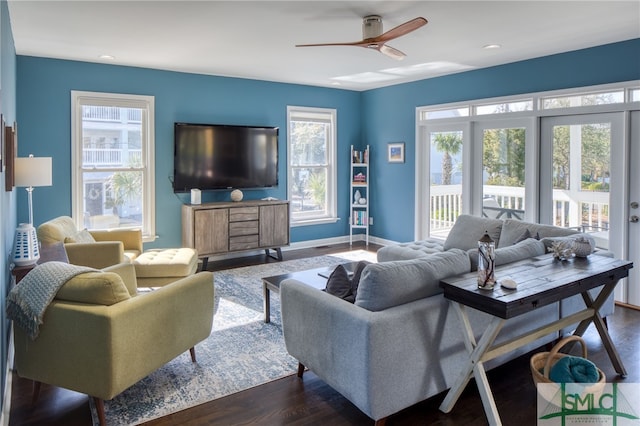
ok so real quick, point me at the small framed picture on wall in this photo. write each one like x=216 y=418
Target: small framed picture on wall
x=10 y=150
x=395 y=152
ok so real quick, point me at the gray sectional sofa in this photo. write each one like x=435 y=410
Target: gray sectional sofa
x=400 y=342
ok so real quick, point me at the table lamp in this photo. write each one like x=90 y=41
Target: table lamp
x=30 y=172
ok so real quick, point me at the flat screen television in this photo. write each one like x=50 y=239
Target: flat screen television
x=214 y=156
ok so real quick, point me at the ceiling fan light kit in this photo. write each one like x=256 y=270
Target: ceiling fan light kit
x=374 y=38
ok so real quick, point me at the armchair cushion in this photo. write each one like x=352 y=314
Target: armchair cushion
x=96 y=288
x=388 y=284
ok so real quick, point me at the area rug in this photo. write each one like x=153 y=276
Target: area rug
x=241 y=352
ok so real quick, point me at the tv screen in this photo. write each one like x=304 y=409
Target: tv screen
x=214 y=156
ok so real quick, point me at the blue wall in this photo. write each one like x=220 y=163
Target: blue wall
x=7 y=199
x=389 y=115
x=374 y=117
x=44 y=111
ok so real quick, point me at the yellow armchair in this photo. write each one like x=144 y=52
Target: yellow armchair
x=97 y=249
x=103 y=349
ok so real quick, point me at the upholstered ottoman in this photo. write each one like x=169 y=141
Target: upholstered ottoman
x=158 y=267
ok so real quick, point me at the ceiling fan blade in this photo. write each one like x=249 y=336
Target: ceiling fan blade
x=391 y=52
x=401 y=30
x=355 y=43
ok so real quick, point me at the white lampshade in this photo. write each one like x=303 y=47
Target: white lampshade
x=33 y=171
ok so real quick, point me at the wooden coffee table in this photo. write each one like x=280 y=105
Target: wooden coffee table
x=316 y=278
x=541 y=281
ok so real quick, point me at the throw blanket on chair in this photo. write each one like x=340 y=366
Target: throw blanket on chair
x=28 y=300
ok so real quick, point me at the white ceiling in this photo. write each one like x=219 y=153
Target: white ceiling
x=255 y=39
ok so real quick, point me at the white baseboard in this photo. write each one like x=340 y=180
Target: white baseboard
x=306 y=244
x=8 y=382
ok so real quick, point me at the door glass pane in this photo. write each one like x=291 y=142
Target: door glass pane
x=503 y=172
x=445 y=181
x=581 y=171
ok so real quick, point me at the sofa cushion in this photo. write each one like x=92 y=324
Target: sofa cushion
x=83 y=236
x=519 y=251
x=96 y=288
x=469 y=229
x=513 y=229
x=412 y=250
x=388 y=284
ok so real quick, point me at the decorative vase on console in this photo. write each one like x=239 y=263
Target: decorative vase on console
x=236 y=195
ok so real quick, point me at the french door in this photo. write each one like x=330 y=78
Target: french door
x=586 y=182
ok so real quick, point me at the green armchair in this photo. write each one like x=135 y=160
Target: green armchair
x=97 y=249
x=100 y=336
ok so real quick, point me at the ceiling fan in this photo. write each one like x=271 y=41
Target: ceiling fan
x=374 y=38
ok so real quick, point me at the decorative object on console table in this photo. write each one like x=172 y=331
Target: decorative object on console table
x=30 y=172
x=236 y=195
x=395 y=152
x=486 y=262
x=359 y=193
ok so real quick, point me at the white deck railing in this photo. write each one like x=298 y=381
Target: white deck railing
x=98 y=157
x=580 y=209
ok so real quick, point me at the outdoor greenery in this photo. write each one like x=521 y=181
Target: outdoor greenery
x=595 y=157
x=503 y=157
x=449 y=144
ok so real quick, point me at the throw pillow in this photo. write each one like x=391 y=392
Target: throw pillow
x=339 y=284
x=83 y=236
x=526 y=234
x=467 y=230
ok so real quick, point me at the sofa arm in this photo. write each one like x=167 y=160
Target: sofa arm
x=130 y=238
x=95 y=255
x=103 y=350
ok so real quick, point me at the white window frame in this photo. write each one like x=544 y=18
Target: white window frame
x=319 y=114
x=147 y=105
x=427 y=119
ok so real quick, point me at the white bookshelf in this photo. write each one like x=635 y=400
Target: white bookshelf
x=359 y=202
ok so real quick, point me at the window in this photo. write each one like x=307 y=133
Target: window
x=113 y=161
x=311 y=183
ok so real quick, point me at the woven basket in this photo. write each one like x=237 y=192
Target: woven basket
x=542 y=362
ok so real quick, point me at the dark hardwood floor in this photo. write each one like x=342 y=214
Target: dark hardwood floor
x=308 y=401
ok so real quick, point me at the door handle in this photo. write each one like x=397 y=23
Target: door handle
x=634 y=219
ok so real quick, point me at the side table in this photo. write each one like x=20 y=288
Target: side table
x=48 y=253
